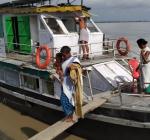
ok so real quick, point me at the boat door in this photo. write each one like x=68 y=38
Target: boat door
x=17 y=30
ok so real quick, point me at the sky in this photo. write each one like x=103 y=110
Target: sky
x=115 y=10
x=120 y=10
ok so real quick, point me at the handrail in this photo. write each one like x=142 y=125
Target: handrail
x=57 y=49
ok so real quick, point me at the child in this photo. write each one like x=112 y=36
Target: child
x=57 y=65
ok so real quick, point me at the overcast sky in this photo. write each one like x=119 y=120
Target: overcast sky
x=108 y=10
x=112 y=10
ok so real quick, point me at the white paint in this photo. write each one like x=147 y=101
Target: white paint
x=67 y=39
x=34 y=31
x=96 y=44
x=56 y=41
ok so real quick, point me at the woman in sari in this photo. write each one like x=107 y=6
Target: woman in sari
x=68 y=88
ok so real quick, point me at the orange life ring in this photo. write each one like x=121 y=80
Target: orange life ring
x=48 y=57
x=128 y=46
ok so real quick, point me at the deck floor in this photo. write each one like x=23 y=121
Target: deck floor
x=130 y=101
x=30 y=59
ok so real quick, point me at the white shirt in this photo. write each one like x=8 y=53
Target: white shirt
x=68 y=86
x=84 y=36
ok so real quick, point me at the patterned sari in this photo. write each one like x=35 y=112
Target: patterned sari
x=68 y=88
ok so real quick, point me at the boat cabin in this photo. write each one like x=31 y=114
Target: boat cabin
x=23 y=29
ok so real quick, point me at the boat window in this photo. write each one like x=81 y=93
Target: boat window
x=70 y=24
x=12 y=77
x=48 y=87
x=42 y=27
x=30 y=82
x=54 y=26
x=91 y=26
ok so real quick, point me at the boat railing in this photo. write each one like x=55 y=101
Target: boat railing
x=108 y=51
x=108 y=48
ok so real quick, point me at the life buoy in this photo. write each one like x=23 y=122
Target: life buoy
x=48 y=56
x=128 y=46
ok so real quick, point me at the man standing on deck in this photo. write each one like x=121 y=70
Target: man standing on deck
x=68 y=88
x=84 y=38
x=145 y=60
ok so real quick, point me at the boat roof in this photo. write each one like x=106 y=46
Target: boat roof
x=40 y=10
x=28 y=7
x=17 y=3
x=31 y=2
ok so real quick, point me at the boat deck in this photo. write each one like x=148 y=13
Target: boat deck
x=29 y=60
x=130 y=101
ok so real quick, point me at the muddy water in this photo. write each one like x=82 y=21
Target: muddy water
x=16 y=126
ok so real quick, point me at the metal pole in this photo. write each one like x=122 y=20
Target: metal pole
x=141 y=80
x=68 y=1
x=90 y=84
x=81 y=2
x=119 y=91
x=113 y=49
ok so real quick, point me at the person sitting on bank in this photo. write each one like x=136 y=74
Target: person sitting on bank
x=68 y=87
x=84 y=38
x=145 y=60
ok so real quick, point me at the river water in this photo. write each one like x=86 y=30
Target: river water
x=17 y=126
x=131 y=30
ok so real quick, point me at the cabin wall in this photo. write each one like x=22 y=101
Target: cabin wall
x=67 y=40
x=45 y=34
x=10 y=76
x=95 y=38
x=34 y=31
x=2 y=40
x=96 y=44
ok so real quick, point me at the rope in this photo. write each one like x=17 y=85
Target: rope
x=76 y=76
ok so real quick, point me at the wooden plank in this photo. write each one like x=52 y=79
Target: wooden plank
x=53 y=131
x=93 y=105
x=60 y=126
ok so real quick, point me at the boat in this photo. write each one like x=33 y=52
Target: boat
x=26 y=26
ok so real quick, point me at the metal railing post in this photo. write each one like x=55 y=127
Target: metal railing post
x=91 y=92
